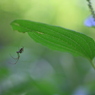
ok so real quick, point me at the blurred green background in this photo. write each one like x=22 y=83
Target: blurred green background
x=41 y=71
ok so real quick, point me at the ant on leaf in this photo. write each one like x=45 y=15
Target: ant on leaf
x=18 y=54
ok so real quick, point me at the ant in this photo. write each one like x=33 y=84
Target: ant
x=18 y=54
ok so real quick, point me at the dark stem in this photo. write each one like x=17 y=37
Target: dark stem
x=91 y=8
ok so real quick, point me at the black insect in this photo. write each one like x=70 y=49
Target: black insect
x=18 y=54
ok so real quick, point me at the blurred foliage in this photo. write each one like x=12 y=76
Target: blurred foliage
x=41 y=71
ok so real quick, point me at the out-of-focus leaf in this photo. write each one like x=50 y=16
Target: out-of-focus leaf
x=57 y=38
x=32 y=87
x=4 y=72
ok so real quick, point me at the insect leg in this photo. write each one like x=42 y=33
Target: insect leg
x=13 y=57
x=17 y=58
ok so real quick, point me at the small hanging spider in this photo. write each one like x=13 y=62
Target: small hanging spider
x=18 y=54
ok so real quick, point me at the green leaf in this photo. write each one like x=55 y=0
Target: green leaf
x=57 y=38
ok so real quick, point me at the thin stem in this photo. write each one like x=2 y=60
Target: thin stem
x=91 y=8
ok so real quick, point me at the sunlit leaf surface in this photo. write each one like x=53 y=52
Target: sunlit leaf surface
x=57 y=38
